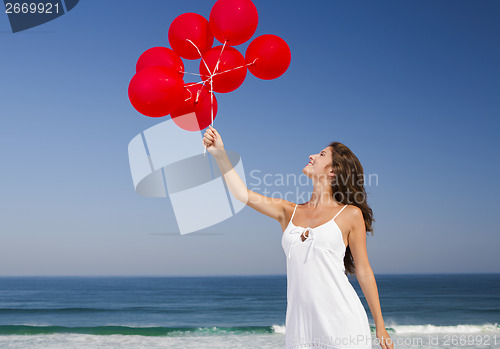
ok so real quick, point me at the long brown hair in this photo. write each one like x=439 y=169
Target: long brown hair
x=348 y=188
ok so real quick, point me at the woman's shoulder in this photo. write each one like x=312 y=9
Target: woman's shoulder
x=352 y=216
x=352 y=211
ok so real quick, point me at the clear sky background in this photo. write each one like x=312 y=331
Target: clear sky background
x=412 y=87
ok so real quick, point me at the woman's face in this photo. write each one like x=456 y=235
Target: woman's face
x=320 y=164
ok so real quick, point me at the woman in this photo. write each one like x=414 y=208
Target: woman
x=323 y=309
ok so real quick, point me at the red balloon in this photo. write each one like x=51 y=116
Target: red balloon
x=225 y=80
x=156 y=91
x=194 y=27
x=271 y=55
x=160 y=56
x=195 y=113
x=234 y=21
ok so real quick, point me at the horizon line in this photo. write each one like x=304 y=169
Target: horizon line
x=234 y=275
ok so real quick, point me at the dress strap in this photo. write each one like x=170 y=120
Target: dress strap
x=294 y=211
x=339 y=212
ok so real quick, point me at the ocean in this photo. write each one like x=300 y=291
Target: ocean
x=420 y=311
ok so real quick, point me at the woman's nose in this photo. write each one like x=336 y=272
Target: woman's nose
x=310 y=157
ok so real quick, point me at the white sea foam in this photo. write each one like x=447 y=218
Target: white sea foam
x=416 y=336
x=465 y=329
x=428 y=337
x=78 y=341
x=278 y=329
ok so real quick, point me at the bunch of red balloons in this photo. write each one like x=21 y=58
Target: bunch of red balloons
x=158 y=89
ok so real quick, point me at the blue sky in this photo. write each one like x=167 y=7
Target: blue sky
x=411 y=87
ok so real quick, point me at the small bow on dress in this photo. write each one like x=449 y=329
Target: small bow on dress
x=311 y=236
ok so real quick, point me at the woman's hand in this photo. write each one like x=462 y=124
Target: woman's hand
x=384 y=339
x=213 y=141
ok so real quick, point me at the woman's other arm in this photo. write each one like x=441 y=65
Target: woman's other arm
x=365 y=276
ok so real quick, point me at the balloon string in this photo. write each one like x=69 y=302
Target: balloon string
x=212 y=101
x=201 y=56
x=192 y=73
x=212 y=86
x=218 y=60
x=210 y=78
x=211 y=108
x=225 y=71
x=243 y=66
x=190 y=95
x=197 y=83
x=199 y=91
x=198 y=95
x=211 y=82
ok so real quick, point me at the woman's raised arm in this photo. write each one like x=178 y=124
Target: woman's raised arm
x=272 y=207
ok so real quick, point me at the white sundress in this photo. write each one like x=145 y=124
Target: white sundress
x=323 y=309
